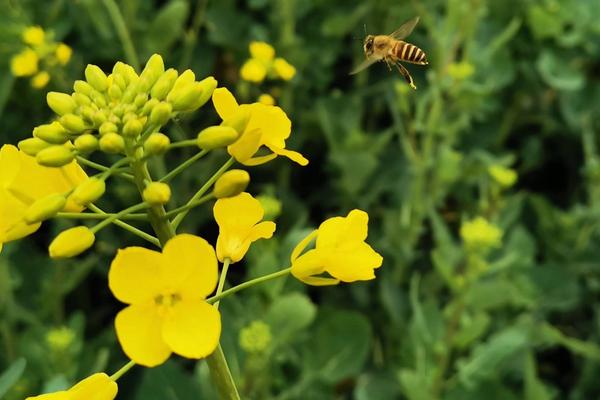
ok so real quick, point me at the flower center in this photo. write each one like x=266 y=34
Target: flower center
x=167 y=300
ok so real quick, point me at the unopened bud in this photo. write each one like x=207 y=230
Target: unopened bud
x=184 y=98
x=270 y=205
x=82 y=87
x=112 y=143
x=125 y=70
x=88 y=191
x=53 y=132
x=99 y=117
x=133 y=128
x=86 y=143
x=157 y=193
x=184 y=79
x=208 y=86
x=239 y=119
x=98 y=98
x=107 y=127
x=149 y=106
x=156 y=144
x=231 y=183
x=71 y=242
x=215 y=137
x=140 y=100
x=96 y=77
x=161 y=113
x=153 y=69
x=45 y=208
x=61 y=103
x=54 y=156
x=73 y=123
x=81 y=99
x=164 y=84
x=32 y=146
x=115 y=92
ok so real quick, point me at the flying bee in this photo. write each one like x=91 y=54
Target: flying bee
x=392 y=49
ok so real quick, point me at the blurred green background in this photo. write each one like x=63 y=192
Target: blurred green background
x=512 y=84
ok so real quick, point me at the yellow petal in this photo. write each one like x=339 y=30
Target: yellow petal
x=246 y=146
x=292 y=155
x=135 y=275
x=95 y=387
x=192 y=328
x=319 y=281
x=343 y=229
x=224 y=102
x=240 y=212
x=273 y=121
x=12 y=210
x=190 y=263
x=10 y=164
x=254 y=161
x=308 y=264
x=353 y=263
x=62 y=395
x=139 y=330
x=302 y=245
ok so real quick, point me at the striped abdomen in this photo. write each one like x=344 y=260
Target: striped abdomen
x=408 y=52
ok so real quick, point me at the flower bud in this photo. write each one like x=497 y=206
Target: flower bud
x=81 y=99
x=112 y=143
x=184 y=98
x=61 y=103
x=160 y=114
x=86 y=143
x=157 y=193
x=96 y=77
x=99 y=117
x=153 y=70
x=82 y=87
x=149 y=106
x=73 y=123
x=215 y=137
x=208 y=86
x=231 y=183
x=184 y=79
x=115 y=92
x=45 y=208
x=71 y=242
x=32 y=146
x=119 y=80
x=53 y=133
x=239 y=120
x=87 y=113
x=140 y=100
x=156 y=144
x=107 y=127
x=164 y=84
x=54 y=156
x=270 y=205
x=88 y=191
x=133 y=128
x=125 y=70
x=98 y=98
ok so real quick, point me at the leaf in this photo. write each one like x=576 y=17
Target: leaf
x=553 y=336
x=471 y=329
x=533 y=389
x=415 y=384
x=168 y=381
x=11 y=375
x=557 y=73
x=166 y=27
x=290 y=314
x=378 y=385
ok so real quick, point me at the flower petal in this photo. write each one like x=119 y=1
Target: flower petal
x=354 y=263
x=292 y=155
x=338 y=230
x=246 y=146
x=135 y=275
x=192 y=328
x=95 y=387
x=10 y=164
x=238 y=213
x=254 y=161
x=272 y=121
x=12 y=226
x=302 y=245
x=62 y=395
x=264 y=230
x=308 y=264
x=224 y=102
x=191 y=264
x=139 y=330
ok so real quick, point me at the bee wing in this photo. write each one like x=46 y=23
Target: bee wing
x=363 y=65
x=405 y=29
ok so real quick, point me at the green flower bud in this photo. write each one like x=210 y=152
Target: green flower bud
x=239 y=120
x=208 y=86
x=185 y=98
x=81 y=99
x=72 y=242
x=54 y=156
x=164 y=84
x=157 y=193
x=270 y=205
x=98 y=98
x=45 y=208
x=61 y=103
x=149 y=106
x=115 y=92
x=114 y=119
x=128 y=117
x=99 y=117
x=112 y=143
x=161 y=113
x=119 y=110
x=73 y=123
x=32 y=146
x=153 y=70
x=129 y=93
x=119 y=80
x=140 y=100
x=83 y=87
x=96 y=77
x=88 y=191
x=87 y=113
x=86 y=143
x=126 y=71
x=231 y=183
x=133 y=128
x=53 y=133
x=156 y=144
x=215 y=137
x=184 y=79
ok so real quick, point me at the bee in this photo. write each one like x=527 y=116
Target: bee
x=392 y=49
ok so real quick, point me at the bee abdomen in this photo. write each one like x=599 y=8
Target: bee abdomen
x=409 y=53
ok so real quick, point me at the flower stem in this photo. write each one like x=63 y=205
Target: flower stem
x=114 y=218
x=189 y=206
x=177 y=170
x=217 y=297
x=87 y=215
x=122 y=371
x=100 y=167
x=222 y=278
x=121 y=27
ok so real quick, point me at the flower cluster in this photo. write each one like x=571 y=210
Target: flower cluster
x=263 y=64
x=480 y=235
x=40 y=55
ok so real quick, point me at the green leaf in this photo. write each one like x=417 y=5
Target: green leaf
x=11 y=375
x=534 y=389
x=471 y=329
x=168 y=381
x=290 y=314
x=166 y=27
x=378 y=385
x=551 y=335
x=557 y=73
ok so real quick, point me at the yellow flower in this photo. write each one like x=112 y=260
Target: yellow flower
x=461 y=70
x=266 y=99
x=165 y=292
x=479 y=234
x=40 y=80
x=506 y=177
x=285 y=70
x=268 y=126
x=238 y=218
x=25 y=63
x=95 y=387
x=340 y=250
x=33 y=35
x=262 y=52
x=22 y=182
x=253 y=71
x=63 y=53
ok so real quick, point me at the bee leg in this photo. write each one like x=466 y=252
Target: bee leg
x=404 y=72
x=389 y=63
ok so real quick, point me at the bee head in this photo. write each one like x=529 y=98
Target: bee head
x=368 y=46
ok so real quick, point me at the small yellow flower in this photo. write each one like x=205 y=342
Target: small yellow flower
x=479 y=234
x=239 y=223
x=268 y=126
x=256 y=337
x=266 y=99
x=460 y=71
x=340 y=250
x=59 y=339
x=262 y=52
x=283 y=69
x=165 y=294
x=506 y=177
x=253 y=71
x=40 y=80
x=63 y=53
x=98 y=387
x=33 y=35
x=25 y=63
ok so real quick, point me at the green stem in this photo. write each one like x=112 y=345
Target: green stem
x=75 y=215
x=100 y=167
x=192 y=35
x=121 y=27
x=180 y=168
x=222 y=278
x=221 y=376
x=122 y=371
x=177 y=220
x=115 y=220
x=184 y=143
x=187 y=207
x=217 y=297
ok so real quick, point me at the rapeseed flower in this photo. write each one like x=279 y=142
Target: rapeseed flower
x=33 y=35
x=24 y=63
x=506 y=177
x=165 y=294
x=239 y=223
x=480 y=234
x=266 y=99
x=262 y=64
x=98 y=386
x=340 y=251
x=268 y=126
